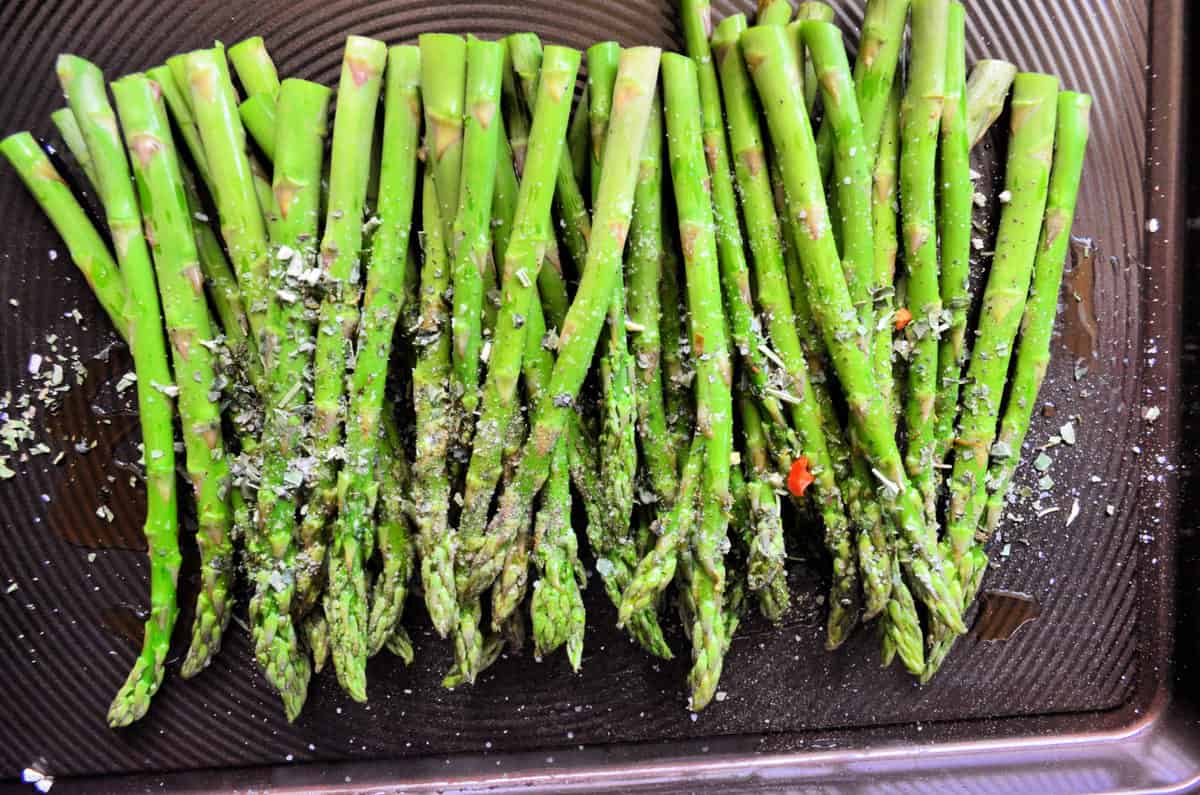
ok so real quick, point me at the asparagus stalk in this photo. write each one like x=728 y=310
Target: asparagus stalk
x=222 y=282
x=851 y=471
x=714 y=402
x=214 y=106
x=259 y=118
x=852 y=159
x=986 y=91
x=773 y=12
x=526 y=52
x=87 y=249
x=874 y=74
x=569 y=203
x=1027 y=176
x=72 y=136
x=571 y=210
x=657 y=567
x=577 y=139
x=676 y=377
x=254 y=67
x=735 y=276
x=443 y=85
x=395 y=541
x=900 y=624
x=602 y=61
x=921 y=113
x=521 y=262
x=172 y=79
x=766 y=575
x=165 y=208
x=433 y=404
x=382 y=304
x=618 y=447
x=83 y=85
x=886 y=227
x=762 y=227
x=471 y=232
x=768 y=57
x=645 y=264
x=954 y=223
x=345 y=599
x=1037 y=325
x=810 y=12
x=942 y=641
x=288 y=342
x=557 y=610
x=632 y=98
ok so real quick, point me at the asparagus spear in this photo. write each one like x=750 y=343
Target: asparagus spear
x=620 y=558
x=382 y=304
x=83 y=85
x=1033 y=352
x=571 y=210
x=766 y=575
x=254 y=67
x=577 y=139
x=1027 y=176
x=632 y=97
x=521 y=262
x=443 y=84
x=433 y=405
x=72 y=136
x=900 y=624
x=172 y=78
x=810 y=12
x=87 y=249
x=884 y=221
x=852 y=159
x=773 y=12
x=954 y=224
x=213 y=104
x=160 y=188
x=676 y=377
x=258 y=116
x=768 y=57
x=345 y=599
x=735 y=276
x=602 y=60
x=395 y=541
x=645 y=264
x=526 y=51
x=618 y=447
x=762 y=227
x=657 y=567
x=874 y=74
x=288 y=342
x=557 y=610
x=569 y=203
x=714 y=402
x=987 y=88
x=921 y=113
x=470 y=238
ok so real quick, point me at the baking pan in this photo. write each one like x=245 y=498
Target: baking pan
x=1089 y=696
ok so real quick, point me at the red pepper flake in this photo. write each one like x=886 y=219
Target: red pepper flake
x=799 y=478
x=903 y=318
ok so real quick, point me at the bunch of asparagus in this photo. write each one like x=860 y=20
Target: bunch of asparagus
x=383 y=363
